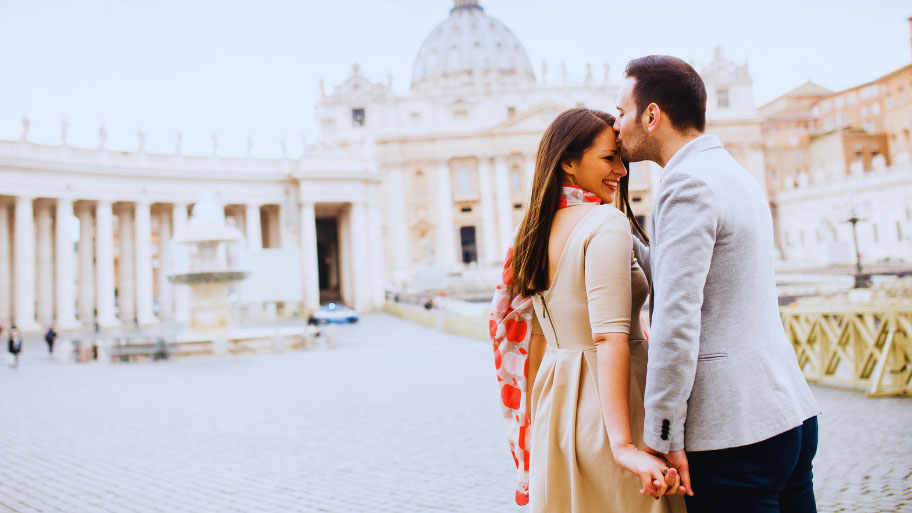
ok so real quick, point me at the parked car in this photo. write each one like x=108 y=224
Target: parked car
x=335 y=313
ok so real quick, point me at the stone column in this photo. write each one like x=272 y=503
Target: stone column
x=126 y=270
x=86 y=267
x=252 y=227
x=530 y=176
x=273 y=232
x=144 y=289
x=492 y=252
x=285 y=220
x=65 y=280
x=24 y=247
x=181 y=290
x=6 y=264
x=104 y=263
x=446 y=249
x=377 y=267
x=397 y=223
x=45 y=275
x=346 y=260
x=309 y=267
x=504 y=205
x=360 y=258
x=165 y=291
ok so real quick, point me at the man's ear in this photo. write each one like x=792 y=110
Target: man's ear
x=652 y=116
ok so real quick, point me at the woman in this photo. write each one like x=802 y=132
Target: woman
x=586 y=367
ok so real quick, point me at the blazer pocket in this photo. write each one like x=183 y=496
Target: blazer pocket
x=708 y=357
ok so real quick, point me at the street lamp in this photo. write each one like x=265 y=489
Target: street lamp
x=853 y=214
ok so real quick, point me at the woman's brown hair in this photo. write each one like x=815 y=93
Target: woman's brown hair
x=567 y=138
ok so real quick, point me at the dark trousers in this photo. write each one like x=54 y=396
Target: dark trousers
x=772 y=476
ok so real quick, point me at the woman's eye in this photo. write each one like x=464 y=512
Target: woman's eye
x=610 y=158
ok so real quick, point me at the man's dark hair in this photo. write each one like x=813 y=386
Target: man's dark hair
x=673 y=85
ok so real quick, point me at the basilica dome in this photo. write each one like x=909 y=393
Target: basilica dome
x=470 y=47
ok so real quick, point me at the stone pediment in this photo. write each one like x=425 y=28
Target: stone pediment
x=536 y=118
x=357 y=86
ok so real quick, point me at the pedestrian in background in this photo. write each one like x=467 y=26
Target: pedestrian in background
x=14 y=347
x=50 y=337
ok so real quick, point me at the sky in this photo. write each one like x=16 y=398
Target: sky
x=252 y=67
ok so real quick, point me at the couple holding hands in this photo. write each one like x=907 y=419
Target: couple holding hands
x=714 y=407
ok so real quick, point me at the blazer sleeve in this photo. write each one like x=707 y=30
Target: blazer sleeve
x=607 y=276
x=641 y=251
x=687 y=220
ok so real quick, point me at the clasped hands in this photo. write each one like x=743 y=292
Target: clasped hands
x=661 y=474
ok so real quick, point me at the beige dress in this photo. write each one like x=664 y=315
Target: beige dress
x=598 y=287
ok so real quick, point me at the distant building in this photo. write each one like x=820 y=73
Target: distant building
x=399 y=190
x=831 y=154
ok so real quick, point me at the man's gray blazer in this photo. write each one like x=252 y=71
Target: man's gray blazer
x=721 y=372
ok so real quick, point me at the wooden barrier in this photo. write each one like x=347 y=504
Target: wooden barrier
x=865 y=348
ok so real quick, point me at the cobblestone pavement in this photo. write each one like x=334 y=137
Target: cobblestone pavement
x=398 y=418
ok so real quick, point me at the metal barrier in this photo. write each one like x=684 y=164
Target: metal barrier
x=865 y=348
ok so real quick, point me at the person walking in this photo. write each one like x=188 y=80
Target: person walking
x=49 y=338
x=14 y=347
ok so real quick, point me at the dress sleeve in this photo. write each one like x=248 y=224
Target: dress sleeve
x=607 y=268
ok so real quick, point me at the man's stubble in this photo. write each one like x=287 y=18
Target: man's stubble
x=638 y=146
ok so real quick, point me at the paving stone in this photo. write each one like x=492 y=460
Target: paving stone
x=398 y=418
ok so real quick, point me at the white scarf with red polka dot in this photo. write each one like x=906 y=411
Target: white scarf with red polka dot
x=509 y=322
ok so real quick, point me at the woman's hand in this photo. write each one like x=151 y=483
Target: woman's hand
x=673 y=480
x=650 y=469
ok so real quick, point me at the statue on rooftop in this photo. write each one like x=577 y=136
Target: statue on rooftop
x=25 y=128
x=102 y=136
x=64 y=127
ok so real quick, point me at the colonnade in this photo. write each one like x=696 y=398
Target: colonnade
x=53 y=274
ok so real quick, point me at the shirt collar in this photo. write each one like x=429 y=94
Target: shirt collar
x=702 y=143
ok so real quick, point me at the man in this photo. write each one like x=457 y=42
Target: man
x=49 y=338
x=726 y=403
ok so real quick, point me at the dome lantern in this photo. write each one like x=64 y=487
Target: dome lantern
x=465 y=4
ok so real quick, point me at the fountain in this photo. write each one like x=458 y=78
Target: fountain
x=210 y=257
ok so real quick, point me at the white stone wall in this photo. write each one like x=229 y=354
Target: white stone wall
x=812 y=220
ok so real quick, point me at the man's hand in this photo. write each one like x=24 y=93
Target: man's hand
x=678 y=460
